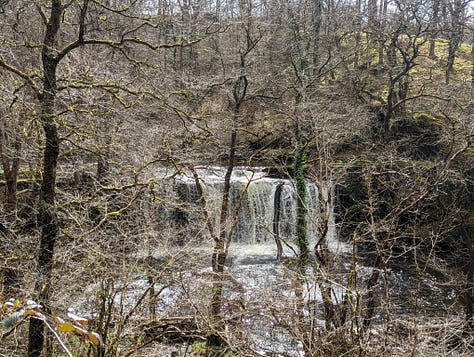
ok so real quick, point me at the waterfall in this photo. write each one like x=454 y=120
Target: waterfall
x=258 y=223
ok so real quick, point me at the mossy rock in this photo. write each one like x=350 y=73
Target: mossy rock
x=419 y=136
x=427 y=121
x=419 y=123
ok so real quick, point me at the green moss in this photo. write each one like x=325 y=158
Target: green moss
x=349 y=163
x=465 y=48
x=200 y=348
x=203 y=348
x=427 y=121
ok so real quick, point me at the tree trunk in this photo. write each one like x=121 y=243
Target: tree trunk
x=453 y=45
x=8 y=269
x=102 y=169
x=317 y=19
x=358 y=35
x=468 y=293
x=301 y=210
x=371 y=296
x=276 y=219
x=387 y=117
x=434 y=29
x=381 y=30
x=471 y=104
x=455 y=35
x=372 y=29
x=222 y=242
x=219 y=255
x=469 y=305
x=47 y=217
x=403 y=85
x=321 y=250
x=11 y=167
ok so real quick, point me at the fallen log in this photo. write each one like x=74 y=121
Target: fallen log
x=173 y=329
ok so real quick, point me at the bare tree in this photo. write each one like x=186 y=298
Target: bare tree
x=457 y=11
x=57 y=44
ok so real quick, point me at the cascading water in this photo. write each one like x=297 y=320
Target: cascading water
x=267 y=209
x=259 y=294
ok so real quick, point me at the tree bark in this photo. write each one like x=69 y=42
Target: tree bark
x=11 y=277
x=221 y=245
x=471 y=104
x=381 y=29
x=11 y=167
x=316 y=28
x=358 y=34
x=47 y=216
x=434 y=29
x=468 y=293
x=457 y=13
x=371 y=296
x=276 y=219
x=301 y=211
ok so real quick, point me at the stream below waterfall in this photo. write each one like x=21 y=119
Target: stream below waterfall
x=259 y=290
x=259 y=299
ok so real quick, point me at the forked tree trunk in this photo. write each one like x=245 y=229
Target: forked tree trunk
x=222 y=241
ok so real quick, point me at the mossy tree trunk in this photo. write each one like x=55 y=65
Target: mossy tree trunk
x=302 y=62
x=301 y=230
